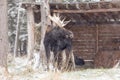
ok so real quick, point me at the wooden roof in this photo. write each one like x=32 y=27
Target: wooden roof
x=84 y=13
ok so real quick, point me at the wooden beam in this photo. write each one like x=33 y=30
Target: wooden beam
x=88 y=11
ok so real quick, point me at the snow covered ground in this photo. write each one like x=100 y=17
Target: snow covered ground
x=19 y=71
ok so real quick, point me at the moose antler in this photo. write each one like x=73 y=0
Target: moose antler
x=57 y=19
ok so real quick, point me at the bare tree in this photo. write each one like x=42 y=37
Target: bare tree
x=3 y=36
x=45 y=21
x=30 y=30
x=17 y=33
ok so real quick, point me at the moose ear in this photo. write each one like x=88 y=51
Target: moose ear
x=71 y=36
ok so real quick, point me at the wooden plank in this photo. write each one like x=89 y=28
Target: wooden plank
x=108 y=58
x=88 y=11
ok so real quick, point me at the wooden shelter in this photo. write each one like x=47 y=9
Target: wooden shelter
x=96 y=28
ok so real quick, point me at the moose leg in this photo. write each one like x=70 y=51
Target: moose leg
x=67 y=60
x=60 y=60
x=72 y=59
x=63 y=59
x=51 y=61
x=55 y=60
x=47 y=49
x=70 y=63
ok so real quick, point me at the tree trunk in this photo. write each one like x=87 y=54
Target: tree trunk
x=44 y=23
x=17 y=34
x=3 y=35
x=30 y=30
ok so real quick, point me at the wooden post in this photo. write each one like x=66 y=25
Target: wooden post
x=97 y=39
x=17 y=33
x=30 y=30
x=97 y=45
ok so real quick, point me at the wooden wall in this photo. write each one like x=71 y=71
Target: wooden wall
x=84 y=42
x=97 y=43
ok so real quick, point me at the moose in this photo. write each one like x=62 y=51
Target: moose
x=58 y=40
